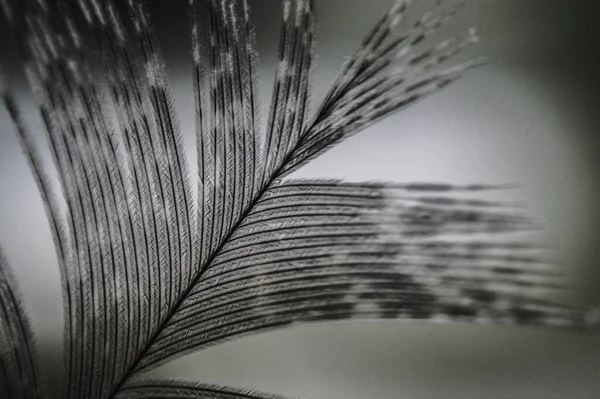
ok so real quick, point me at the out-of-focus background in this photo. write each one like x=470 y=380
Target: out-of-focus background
x=529 y=117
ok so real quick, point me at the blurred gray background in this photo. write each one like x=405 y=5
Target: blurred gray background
x=530 y=117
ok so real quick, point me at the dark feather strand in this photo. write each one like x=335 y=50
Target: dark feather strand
x=149 y=389
x=20 y=375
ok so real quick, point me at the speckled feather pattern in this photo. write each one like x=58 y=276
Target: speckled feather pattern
x=156 y=262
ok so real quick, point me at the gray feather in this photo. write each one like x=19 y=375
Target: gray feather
x=148 y=276
x=289 y=105
x=20 y=374
x=317 y=251
x=388 y=73
x=180 y=389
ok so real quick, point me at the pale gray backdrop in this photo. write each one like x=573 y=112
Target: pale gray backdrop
x=531 y=118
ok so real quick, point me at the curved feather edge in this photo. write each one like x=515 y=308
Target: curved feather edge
x=391 y=71
x=148 y=389
x=58 y=225
x=323 y=251
x=91 y=168
x=288 y=114
x=314 y=251
x=20 y=372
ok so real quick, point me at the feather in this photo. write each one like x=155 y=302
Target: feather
x=176 y=186
x=289 y=108
x=147 y=277
x=58 y=224
x=55 y=216
x=142 y=221
x=96 y=165
x=228 y=140
x=20 y=374
x=388 y=73
x=181 y=389
x=324 y=250
x=94 y=172
x=45 y=74
x=151 y=237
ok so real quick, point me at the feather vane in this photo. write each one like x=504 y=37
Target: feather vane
x=150 y=273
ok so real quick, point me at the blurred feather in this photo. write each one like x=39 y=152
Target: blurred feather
x=180 y=389
x=20 y=375
x=323 y=250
